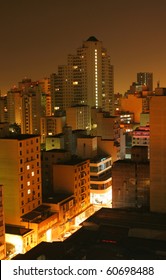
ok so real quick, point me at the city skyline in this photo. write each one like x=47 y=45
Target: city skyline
x=37 y=37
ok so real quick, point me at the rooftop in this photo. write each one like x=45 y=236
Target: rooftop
x=99 y=158
x=92 y=39
x=57 y=197
x=55 y=151
x=37 y=215
x=129 y=218
x=12 y=229
x=20 y=136
x=105 y=236
x=73 y=161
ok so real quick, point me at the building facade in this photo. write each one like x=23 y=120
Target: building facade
x=20 y=167
x=146 y=79
x=73 y=177
x=158 y=154
x=87 y=79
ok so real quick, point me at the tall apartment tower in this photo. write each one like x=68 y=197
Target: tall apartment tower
x=14 y=106
x=3 y=109
x=45 y=86
x=145 y=78
x=33 y=106
x=20 y=174
x=87 y=79
x=158 y=154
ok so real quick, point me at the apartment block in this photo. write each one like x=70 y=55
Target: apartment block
x=101 y=180
x=73 y=177
x=86 y=79
x=51 y=125
x=78 y=117
x=20 y=167
x=49 y=158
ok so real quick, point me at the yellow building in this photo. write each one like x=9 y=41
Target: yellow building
x=63 y=205
x=20 y=173
x=19 y=240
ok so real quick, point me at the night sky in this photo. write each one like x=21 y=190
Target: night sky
x=37 y=35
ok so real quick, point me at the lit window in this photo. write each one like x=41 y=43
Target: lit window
x=75 y=83
x=28 y=183
x=33 y=173
x=28 y=167
x=29 y=191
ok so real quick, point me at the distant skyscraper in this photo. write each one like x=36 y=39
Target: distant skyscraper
x=33 y=106
x=14 y=106
x=87 y=79
x=145 y=78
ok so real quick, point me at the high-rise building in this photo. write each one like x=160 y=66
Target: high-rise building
x=3 y=109
x=158 y=154
x=20 y=170
x=28 y=103
x=78 y=117
x=145 y=78
x=33 y=108
x=45 y=85
x=87 y=79
x=14 y=106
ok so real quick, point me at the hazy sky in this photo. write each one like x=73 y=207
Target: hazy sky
x=37 y=35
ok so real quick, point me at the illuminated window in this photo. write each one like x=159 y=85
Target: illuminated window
x=28 y=167
x=33 y=173
x=29 y=191
x=75 y=83
x=28 y=183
